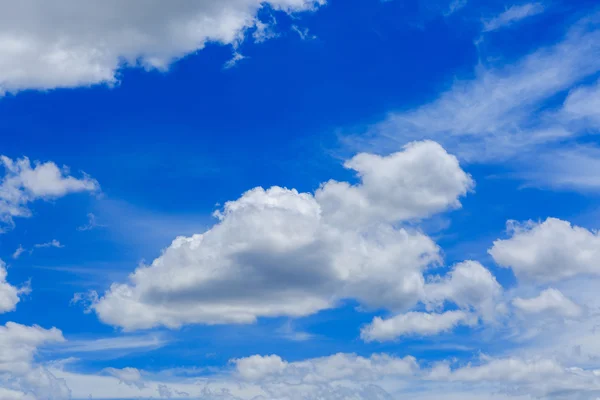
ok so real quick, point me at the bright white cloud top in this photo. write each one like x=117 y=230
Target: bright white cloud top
x=69 y=43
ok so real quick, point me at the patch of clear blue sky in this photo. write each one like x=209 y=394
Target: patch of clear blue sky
x=166 y=147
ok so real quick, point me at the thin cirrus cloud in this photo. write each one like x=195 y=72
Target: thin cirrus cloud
x=503 y=114
x=512 y=15
x=71 y=44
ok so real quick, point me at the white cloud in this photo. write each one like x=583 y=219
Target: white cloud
x=507 y=113
x=278 y=252
x=19 y=375
x=91 y=224
x=23 y=183
x=549 y=251
x=470 y=286
x=53 y=243
x=415 y=183
x=127 y=376
x=549 y=301
x=67 y=43
x=513 y=14
x=414 y=323
x=349 y=376
x=20 y=250
x=9 y=295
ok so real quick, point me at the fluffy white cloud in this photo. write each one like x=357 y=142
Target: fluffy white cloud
x=470 y=286
x=9 y=294
x=23 y=183
x=549 y=251
x=415 y=183
x=279 y=252
x=67 y=43
x=513 y=14
x=348 y=376
x=19 y=375
x=549 y=301
x=414 y=323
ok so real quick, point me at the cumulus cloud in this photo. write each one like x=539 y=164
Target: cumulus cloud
x=470 y=286
x=19 y=375
x=67 y=43
x=549 y=301
x=511 y=15
x=415 y=183
x=414 y=323
x=24 y=183
x=349 y=376
x=548 y=251
x=9 y=294
x=278 y=252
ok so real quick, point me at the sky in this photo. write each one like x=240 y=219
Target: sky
x=299 y=200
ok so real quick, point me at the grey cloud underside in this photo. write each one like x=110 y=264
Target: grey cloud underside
x=277 y=252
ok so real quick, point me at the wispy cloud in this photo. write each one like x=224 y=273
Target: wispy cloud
x=138 y=342
x=511 y=15
x=53 y=243
x=18 y=252
x=522 y=112
x=91 y=224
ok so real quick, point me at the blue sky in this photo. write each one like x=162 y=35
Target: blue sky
x=297 y=199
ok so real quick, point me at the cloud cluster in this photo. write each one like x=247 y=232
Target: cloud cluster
x=20 y=376
x=69 y=43
x=278 y=252
x=23 y=183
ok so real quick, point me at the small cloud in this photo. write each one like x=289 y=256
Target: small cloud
x=455 y=6
x=54 y=243
x=512 y=15
x=237 y=57
x=288 y=332
x=92 y=224
x=18 y=252
x=303 y=33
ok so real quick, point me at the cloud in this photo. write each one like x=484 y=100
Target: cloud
x=69 y=44
x=511 y=15
x=23 y=183
x=9 y=295
x=91 y=224
x=414 y=324
x=522 y=114
x=350 y=376
x=127 y=376
x=53 y=243
x=549 y=251
x=19 y=375
x=470 y=286
x=278 y=252
x=549 y=301
x=20 y=250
